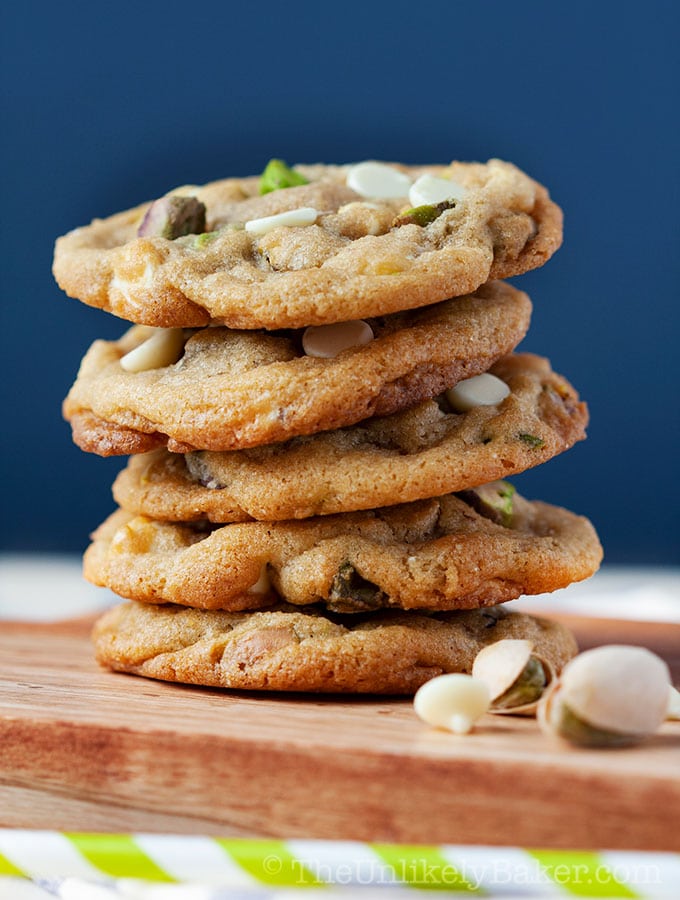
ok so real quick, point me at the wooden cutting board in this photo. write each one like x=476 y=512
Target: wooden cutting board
x=89 y=750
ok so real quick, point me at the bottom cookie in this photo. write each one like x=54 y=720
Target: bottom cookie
x=285 y=648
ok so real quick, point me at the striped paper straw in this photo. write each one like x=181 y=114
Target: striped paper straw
x=298 y=864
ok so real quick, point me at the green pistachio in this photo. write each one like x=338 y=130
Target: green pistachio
x=172 y=217
x=493 y=501
x=609 y=696
x=569 y=726
x=526 y=689
x=531 y=439
x=351 y=593
x=515 y=677
x=278 y=175
x=423 y=215
x=202 y=240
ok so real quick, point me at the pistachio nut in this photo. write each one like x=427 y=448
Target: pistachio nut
x=516 y=678
x=607 y=697
x=492 y=500
x=351 y=593
x=423 y=215
x=172 y=217
x=278 y=175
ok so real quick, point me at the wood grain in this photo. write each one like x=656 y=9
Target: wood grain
x=82 y=748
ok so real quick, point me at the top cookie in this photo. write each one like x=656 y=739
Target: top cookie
x=348 y=251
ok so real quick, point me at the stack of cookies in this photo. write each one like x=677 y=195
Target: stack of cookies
x=321 y=404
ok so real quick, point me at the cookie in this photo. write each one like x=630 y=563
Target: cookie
x=421 y=452
x=462 y=551
x=235 y=389
x=355 y=255
x=285 y=648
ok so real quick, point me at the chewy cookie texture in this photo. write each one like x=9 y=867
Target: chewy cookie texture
x=454 y=552
x=287 y=648
x=334 y=243
x=427 y=450
x=228 y=390
x=322 y=405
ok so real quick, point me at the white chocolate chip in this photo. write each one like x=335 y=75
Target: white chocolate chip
x=376 y=180
x=163 y=348
x=304 y=215
x=263 y=583
x=428 y=189
x=481 y=390
x=327 y=341
x=673 y=704
x=454 y=702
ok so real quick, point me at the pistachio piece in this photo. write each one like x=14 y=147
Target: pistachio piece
x=278 y=175
x=480 y=390
x=515 y=677
x=423 y=215
x=200 y=471
x=351 y=593
x=492 y=500
x=163 y=348
x=607 y=697
x=454 y=702
x=200 y=241
x=531 y=439
x=172 y=217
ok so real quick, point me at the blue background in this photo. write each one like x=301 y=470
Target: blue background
x=106 y=106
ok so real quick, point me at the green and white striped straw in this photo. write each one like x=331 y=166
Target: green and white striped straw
x=44 y=856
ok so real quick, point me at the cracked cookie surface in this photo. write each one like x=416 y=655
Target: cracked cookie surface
x=433 y=554
x=235 y=389
x=288 y=649
x=353 y=262
x=424 y=451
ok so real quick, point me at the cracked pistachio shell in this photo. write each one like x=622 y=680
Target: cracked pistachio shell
x=606 y=697
x=516 y=678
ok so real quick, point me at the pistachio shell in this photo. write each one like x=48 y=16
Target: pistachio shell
x=526 y=691
x=607 y=697
x=557 y=718
x=617 y=688
x=515 y=677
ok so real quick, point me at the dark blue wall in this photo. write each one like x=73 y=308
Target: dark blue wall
x=107 y=105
